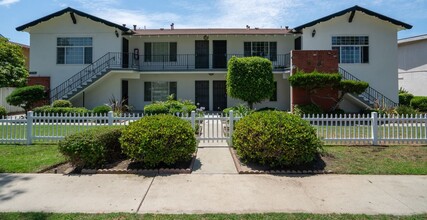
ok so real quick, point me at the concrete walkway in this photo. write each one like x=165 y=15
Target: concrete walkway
x=214 y=188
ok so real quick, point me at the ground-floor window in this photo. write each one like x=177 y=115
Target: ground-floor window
x=159 y=90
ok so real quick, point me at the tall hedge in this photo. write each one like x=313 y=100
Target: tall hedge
x=250 y=79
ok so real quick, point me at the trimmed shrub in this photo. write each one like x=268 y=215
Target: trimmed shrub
x=101 y=110
x=275 y=139
x=405 y=98
x=352 y=86
x=3 y=112
x=314 y=80
x=47 y=109
x=420 y=103
x=62 y=104
x=26 y=97
x=309 y=109
x=156 y=108
x=405 y=110
x=159 y=139
x=92 y=148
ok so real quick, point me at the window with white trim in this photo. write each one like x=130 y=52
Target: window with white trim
x=261 y=49
x=351 y=49
x=160 y=52
x=74 y=50
x=159 y=90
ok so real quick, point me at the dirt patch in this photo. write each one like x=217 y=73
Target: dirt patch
x=316 y=167
x=125 y=167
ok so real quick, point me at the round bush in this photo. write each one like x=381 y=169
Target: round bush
x=420 y=103
x=62 y=104
x=156 y=108
x=159 y=139
x=101 y=110
x=92 y=148
x=3 y=112
x=275 y=139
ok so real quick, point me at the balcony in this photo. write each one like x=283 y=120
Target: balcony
x=186 y=62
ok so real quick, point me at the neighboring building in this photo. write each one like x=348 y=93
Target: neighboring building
x=89 y=59
x=413 y=64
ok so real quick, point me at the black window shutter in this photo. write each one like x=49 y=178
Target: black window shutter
x=365 y=54
x=273 y=51
x=173 y=89
x=274 y=96
x=147 y=52
x=147 y=91
x=247 y=49
x=172 y=51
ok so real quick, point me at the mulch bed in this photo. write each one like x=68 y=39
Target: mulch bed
x=316 y=167
x=125 y=167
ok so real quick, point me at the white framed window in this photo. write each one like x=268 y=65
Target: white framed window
x=74 y=50
x=261 y=49
x=351 y=49
x=160 y=52
x=159 y=90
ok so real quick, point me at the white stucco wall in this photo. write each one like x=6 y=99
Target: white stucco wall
x=381 y=71
x=413 y=67
x=43 y=44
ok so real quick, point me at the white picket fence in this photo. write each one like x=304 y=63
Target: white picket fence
x=371 y=129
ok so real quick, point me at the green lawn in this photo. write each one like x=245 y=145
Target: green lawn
x=123 y=216
x=28 y=159
x=376 y=159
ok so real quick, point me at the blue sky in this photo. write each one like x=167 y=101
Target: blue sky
x=207 y=13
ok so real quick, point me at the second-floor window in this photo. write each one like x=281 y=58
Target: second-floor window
x=74 y=50
x=160 y=52
x=351 y=49
x=261 y=49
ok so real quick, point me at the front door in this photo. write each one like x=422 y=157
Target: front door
x=125 y=55
x=219 y=95
x=202 y=94
x=219 y=54
x=202 y=54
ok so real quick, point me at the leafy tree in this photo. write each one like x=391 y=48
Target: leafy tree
x=250 y=79
x=12 y=65
x=26 y=97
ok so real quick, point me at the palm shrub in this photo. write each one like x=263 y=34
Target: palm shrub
x=92 y=148
x=275 y=139
x=159 y=139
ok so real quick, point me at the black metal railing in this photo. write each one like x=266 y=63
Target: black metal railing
x=116 y=60
x=371 y=94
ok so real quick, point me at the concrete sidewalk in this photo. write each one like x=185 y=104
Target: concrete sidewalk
x=213 y=193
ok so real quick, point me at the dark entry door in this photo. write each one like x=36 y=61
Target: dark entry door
x=202 y=94
x=298 y=43
x=202 y=54
x=125 y=51
x=219 y=54
x=219 y=95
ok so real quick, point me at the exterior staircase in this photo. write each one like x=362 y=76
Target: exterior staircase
x=371 y=98
x=87 y=76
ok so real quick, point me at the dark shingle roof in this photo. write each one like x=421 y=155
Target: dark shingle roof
x=212 y=31
x=63 y=11
x=354 y=8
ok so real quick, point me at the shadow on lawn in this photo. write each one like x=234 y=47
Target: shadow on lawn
x=6 y=182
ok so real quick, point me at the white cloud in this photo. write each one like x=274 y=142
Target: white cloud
x=8 y=2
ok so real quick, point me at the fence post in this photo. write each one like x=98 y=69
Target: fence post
x=29 y=127
x=110 y=118
x=193 y=119
x=231 y=128
x=374 y=124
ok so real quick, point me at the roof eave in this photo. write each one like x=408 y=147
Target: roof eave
x=68 y=9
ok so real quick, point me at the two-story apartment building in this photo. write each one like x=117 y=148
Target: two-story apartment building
x=88 y=60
